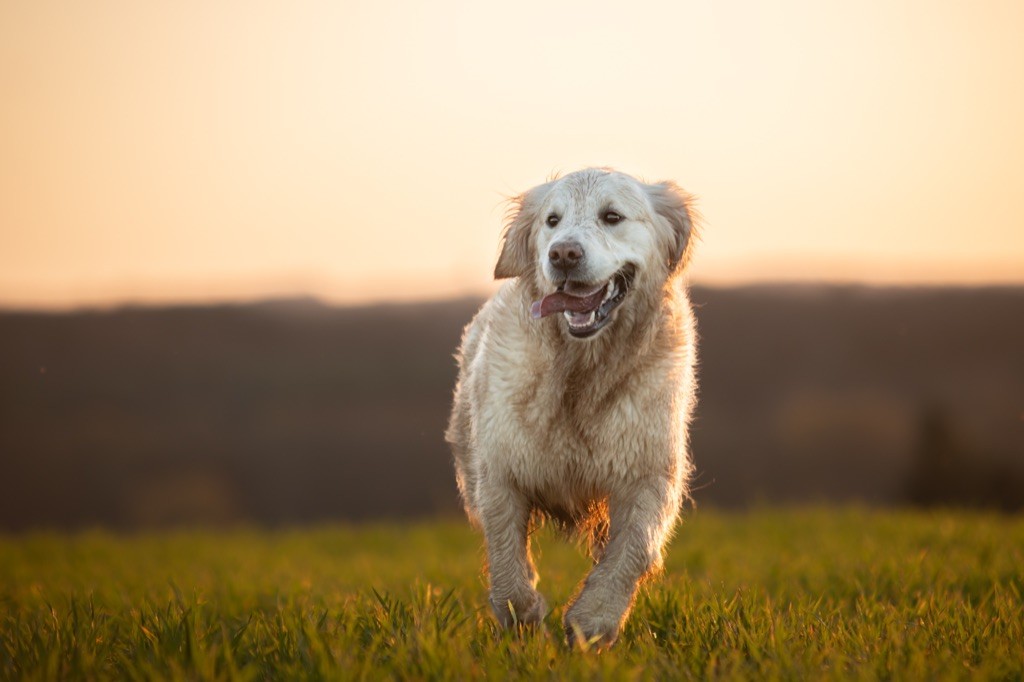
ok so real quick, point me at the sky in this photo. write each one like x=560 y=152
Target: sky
x=363 y=151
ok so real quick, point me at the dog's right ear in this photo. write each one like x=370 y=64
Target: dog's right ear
x=516 y=257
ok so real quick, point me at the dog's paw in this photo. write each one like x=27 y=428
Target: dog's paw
x=591 y=624
x=525 y=609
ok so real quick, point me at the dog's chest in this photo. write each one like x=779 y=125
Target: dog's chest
x=582 y=442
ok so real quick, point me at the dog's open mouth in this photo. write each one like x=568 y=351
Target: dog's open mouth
x=587 y=307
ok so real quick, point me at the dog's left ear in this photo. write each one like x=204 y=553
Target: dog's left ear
x=675 y=206
x=516 y=258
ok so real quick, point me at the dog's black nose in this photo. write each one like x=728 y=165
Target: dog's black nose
x=565 y=255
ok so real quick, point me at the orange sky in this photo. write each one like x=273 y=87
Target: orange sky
x=360 y=150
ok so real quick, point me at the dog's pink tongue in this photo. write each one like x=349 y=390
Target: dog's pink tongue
x=561 y=301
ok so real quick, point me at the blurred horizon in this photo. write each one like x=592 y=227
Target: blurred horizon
x=291 y=411
x=360 y=152
x=202 y=298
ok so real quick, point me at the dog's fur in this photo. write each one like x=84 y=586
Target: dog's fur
x=591 y=432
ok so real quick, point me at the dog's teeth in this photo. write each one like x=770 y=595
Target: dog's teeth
x=610 y=292
x=579 y=324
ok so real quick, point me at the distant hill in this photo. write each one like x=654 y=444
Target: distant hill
x=289 y=412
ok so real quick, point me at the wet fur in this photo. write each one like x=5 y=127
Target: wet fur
x=591 y=433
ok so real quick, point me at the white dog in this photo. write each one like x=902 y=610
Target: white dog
x=575 y=391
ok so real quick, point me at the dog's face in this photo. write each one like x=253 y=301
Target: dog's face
x=589 y=239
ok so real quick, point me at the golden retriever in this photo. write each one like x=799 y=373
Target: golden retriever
x=576 y=384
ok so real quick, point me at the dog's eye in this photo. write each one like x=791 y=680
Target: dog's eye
x=552 y=220
x=611 y=217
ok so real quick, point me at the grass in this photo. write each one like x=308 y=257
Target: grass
x=771 y=594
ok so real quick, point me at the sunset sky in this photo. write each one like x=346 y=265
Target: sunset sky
x=188 y=151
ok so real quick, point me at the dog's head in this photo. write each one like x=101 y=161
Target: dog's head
x=590 y=238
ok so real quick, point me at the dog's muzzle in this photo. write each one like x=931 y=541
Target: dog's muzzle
x=587 y=308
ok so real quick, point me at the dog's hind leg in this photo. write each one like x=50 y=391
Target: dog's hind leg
x=505 y=517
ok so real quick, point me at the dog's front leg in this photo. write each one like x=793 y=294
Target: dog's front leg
x=505 y=517
x=641 y=521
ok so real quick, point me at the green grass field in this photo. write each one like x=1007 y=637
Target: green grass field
x=795 y=594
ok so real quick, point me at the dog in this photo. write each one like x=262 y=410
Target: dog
x=576 y=386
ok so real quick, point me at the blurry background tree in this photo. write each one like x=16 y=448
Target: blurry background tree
x=945 y=472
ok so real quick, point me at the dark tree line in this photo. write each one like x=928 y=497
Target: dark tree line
x=294 y=412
